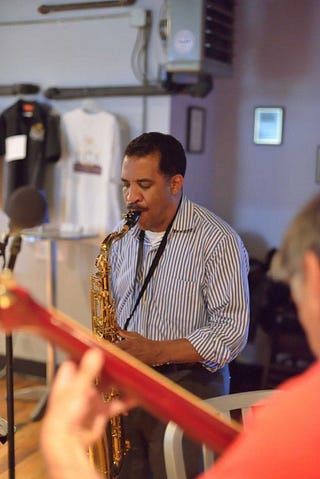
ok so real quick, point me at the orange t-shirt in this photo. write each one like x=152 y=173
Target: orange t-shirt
x=283 y=438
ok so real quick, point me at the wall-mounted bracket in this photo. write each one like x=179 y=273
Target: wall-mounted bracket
x=19 y=89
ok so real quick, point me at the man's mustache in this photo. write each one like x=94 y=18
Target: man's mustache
x=134 y=207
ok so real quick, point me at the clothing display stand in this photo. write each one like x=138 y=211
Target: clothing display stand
x=52 y=235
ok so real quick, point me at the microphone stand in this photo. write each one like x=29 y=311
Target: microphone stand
x=3 y=422
x=10 y=407
x=14 y=251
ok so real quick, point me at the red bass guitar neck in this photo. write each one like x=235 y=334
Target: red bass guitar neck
x=155 y=393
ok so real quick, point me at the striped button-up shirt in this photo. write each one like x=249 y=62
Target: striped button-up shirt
x=199 y=290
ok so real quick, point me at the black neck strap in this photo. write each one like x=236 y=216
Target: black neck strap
x=154 y=263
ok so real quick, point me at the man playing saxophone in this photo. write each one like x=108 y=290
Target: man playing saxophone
x=179 y=280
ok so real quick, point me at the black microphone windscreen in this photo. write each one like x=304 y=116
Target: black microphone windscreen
x=26 y=207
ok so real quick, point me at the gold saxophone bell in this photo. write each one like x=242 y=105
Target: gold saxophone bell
x=108 y=453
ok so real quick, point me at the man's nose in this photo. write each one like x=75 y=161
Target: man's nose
x=132 y=194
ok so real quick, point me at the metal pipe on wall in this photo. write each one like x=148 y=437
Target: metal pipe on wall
x=44 y=9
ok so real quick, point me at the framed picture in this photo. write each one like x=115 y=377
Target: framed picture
x=195 y=129
x=268 y=125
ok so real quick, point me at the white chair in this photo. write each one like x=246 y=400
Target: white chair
x=173 y=453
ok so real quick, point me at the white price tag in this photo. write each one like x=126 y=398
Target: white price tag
x=16 y=147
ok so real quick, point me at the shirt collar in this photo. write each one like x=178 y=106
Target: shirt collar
x=184 y=218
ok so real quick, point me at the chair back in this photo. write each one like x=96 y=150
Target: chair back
x=242 y=403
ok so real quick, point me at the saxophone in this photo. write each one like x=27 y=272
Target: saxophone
x=107 y=454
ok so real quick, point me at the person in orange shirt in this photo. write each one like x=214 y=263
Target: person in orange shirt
x=283 y=438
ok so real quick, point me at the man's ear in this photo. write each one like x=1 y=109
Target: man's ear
x=176 y=184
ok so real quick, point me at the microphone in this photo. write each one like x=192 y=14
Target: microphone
x=26 y=208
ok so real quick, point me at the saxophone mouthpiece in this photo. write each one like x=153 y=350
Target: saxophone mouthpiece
x=132 y=217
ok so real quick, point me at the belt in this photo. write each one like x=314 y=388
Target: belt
x=174 y=367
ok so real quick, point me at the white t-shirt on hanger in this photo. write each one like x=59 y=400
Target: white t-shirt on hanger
x=91 y=169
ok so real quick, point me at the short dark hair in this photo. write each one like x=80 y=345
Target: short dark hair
x=172 y=155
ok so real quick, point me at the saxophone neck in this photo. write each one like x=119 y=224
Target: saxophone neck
x=102 y=261
x=112 y=237
x=131 y=218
